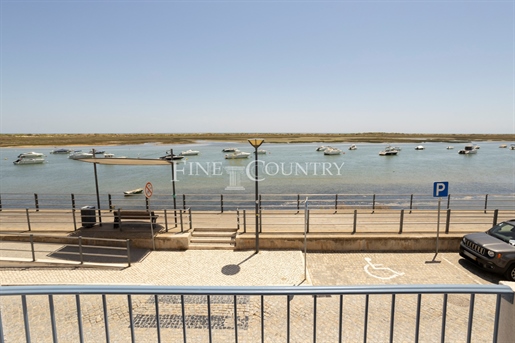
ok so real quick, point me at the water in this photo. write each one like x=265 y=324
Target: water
x=286 y=169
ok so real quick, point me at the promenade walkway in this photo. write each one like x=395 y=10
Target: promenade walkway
x=267 y=268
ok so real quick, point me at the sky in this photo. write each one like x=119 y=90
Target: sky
x=257 y=66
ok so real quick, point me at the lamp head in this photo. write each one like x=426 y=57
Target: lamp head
x=256 y=142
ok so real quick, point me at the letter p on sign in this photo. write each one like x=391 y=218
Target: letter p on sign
x=441 y=189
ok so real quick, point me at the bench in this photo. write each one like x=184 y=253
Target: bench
x=133 y=214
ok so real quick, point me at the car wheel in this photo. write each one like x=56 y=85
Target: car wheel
x=510 y=273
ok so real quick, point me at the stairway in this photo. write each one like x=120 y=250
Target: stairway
x=213 y=238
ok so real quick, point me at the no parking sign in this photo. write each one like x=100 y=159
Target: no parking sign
x=148 y=190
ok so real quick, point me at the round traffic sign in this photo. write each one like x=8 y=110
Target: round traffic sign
x=148 y=190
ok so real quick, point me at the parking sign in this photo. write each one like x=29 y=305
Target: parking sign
x=441 y=189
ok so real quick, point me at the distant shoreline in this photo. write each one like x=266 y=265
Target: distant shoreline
x=63 y=140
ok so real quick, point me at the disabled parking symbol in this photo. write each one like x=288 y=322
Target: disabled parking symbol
x=379 y=271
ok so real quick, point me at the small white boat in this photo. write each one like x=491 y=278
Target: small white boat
x=261 y=152
x=512 y=147
x=106 y=155
x=189 y=153
x=322 y=148
x=79 y=155
x=503 y=146
x=31 y=155
x=450 y=147
x=61 y=151
x=237 y=155
x=333 y=151
x=419 y=147
x=389 y=151
x=29 y=160
x=469 y=150
x=353 y=147
x=133 y=192
x=229 y=150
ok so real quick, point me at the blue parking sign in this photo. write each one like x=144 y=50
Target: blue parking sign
x=441 y=189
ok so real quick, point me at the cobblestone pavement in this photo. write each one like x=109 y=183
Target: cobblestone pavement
x=268 y=268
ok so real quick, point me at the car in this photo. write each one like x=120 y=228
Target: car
x=493 y=250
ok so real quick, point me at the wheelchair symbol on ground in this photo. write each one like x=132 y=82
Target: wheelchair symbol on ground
x=379 y=271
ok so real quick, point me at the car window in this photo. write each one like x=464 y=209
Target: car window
x=503 y=231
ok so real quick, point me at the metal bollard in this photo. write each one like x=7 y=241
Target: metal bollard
x=298 y=203
x=355 y=221
x=110 y=202
x=182 y=224
x=80 y=250
x=374 y=203
x=191 y=222
x=36 y=201
x=166 y=220
x=244 y=221
x=411 y=203
x=128 y=242
x=448 y=221
x=184 y=201
x=336 y=203
x=401 y=221
x=28 y=218
x=221 y=203
x=496 y=213
x=448 y=200
x=73 y=201
x=486 y=202
x=32 y=248
x=74 y=220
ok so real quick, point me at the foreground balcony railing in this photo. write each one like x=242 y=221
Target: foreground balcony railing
x=255 y=314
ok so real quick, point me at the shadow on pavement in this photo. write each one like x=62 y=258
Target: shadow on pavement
x=98 y=254
x=479 y=272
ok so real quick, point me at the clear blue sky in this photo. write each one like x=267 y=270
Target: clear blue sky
x=257 y=66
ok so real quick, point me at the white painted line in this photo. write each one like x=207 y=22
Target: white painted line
x=371 y=268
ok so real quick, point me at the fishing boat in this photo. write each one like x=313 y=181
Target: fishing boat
x=261 y=152
x=229 y=150
x=133 y=192
x=450 y=147
x=419 y=147
x=353 y=147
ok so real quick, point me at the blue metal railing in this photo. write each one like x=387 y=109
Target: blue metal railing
x=171 y=313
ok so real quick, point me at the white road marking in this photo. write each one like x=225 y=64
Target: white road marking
x=370 y=268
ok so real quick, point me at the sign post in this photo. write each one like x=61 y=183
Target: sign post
x=148 y=194
x=440 y=189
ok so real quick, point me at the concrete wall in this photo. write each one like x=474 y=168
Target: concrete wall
x=335 y=242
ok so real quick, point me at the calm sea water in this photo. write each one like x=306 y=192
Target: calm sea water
x=285 y=169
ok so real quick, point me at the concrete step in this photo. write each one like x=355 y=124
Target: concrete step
x=215 y=229
x=211 y=247
x=227 y=240
x=213 y=234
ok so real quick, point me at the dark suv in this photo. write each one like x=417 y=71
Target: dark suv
x=493 y=250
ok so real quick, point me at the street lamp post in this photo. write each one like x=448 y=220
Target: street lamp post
x=256 y=143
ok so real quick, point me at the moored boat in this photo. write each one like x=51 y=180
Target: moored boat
x=237 y=155
x=333 y=151
x=229 y=150
x=389 y=151
x=29 y=160
x=261 y=152
x=419 y=147
x=189 y=153
x=61 y=151
x=133 y=192
x=79 y=155
x=353 y=147
x=468 y=150
x=31 y=154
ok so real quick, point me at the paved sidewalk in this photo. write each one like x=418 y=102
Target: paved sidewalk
x=270 y=268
